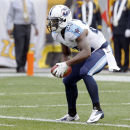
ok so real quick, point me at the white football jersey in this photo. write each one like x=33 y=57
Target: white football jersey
x=74 y=29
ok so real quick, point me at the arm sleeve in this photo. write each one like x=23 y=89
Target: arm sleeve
x=34 y=17
x=10 y=17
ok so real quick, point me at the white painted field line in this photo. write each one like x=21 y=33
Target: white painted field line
x=37 y=93
x=5 y=106
x=42 y=93
x=116 y=78
x=50 y=120
x=127 y=119
x=24 y=74
x=6 y=125
x=2 y=93
x=12 y=84
x=99 y=77
x=61 y=105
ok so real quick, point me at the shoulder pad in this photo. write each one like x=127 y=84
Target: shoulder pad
x=74 y=29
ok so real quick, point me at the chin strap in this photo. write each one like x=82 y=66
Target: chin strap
x=58 y=30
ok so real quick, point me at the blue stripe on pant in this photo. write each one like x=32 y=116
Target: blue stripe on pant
x=91 y=66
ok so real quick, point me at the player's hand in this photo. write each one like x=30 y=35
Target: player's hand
x=36 y=32
x=59 y=71
x=9 y=32
x=127 y=33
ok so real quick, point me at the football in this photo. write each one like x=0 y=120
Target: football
x=67 y=72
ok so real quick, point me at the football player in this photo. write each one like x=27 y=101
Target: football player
x=94 y=54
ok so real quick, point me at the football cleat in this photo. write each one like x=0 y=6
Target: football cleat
x=67 y=117
x=95 y=116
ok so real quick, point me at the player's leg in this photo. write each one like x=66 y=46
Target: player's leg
x=19 y=45
x=27 y=30
x=94 y=65
x=72 y=93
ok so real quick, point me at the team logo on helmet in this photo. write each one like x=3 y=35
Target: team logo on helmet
x=65 y=11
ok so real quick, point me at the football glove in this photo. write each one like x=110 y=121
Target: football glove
x=59 y=71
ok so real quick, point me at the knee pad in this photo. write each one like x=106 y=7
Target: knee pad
x=84 y=71
x=69 y=80
x=66 y=81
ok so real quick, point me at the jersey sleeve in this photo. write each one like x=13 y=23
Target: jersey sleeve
x=73 y=30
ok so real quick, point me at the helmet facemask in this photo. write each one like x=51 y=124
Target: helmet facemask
x=53 y=24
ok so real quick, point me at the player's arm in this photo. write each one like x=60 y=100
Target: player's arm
x=84 y=47
x=66 y=53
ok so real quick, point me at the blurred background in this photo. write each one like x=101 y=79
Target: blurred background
x=46 y=51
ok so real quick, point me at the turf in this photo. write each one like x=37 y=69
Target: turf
x=27 y=103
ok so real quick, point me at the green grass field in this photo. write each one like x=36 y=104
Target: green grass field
x=33 y=103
